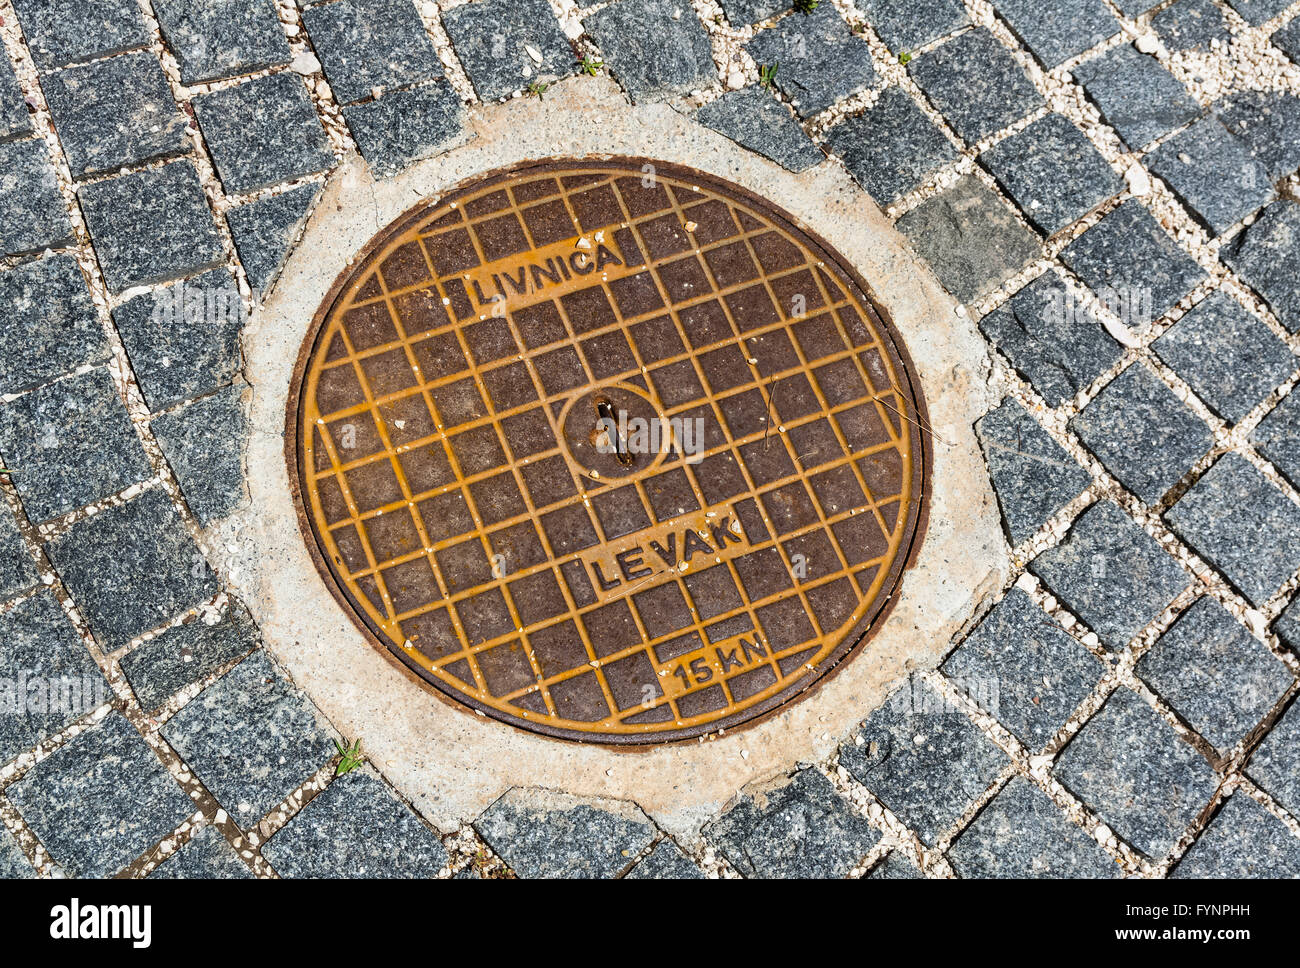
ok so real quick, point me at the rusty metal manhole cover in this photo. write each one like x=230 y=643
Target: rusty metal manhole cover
x=611 y=451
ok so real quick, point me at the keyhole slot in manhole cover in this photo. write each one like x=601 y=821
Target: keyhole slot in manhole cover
x=610 y=450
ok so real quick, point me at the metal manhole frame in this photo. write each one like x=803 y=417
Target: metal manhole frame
x=851 y=642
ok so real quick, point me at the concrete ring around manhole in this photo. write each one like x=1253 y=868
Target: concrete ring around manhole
x=609 y=450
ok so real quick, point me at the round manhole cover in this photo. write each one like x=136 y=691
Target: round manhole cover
x=612 y=451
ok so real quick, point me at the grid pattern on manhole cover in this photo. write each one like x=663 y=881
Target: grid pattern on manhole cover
x=724 y=540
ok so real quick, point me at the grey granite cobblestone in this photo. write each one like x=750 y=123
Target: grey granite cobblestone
x=1025 y=669
x=17 y=572
x=1111 y=574
x=665 y=863
x=14 y=865
x=1259 y=12
x=263 y=133
x=32 y=215
x=1056 y=32
x=802 y=829
x=493 y=40
x=70 y=443
x=543 y=834
x=114 y=113
x=1275 y=766
x=818 y=59
x=657 y=49
x=970 y=238
x=356 y=828
x=1143 y=433
x=152 y=226
x=756 y=120
x=368 y=44
x=262 y=231
x=215 y=39
x=131 y=568
x=403 y=127
x=1129 y=765
x=184 y=654
x=922 y=758
x=1287 y=626
x=904 y=25
x=1213 y=174
x=1215 y=675
x=1191 y=25
x=206 y=856
x=1227 y=355
x=203 y=443
x=1268 y=124
x=1277 y=438
x=51 y=325
x=251 y=738
x=1136 y=95
x=1266 y=255
x=1239 y=521
x=1287 y=39
x=1242 y=841
x=975 y=83
x=100 y=801
x=1022 y=833
x=41 y=648
x=1033 y=476
x=741 y=13
x=15 y=119
x=895 y=867
x=60 y=32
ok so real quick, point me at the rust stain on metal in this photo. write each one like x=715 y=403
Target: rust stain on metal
x=611 y=452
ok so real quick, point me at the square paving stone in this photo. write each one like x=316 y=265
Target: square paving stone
x=1237 y=520
x=60 y=32
x=1033 y=673
x=17 y=572
x=51 y=324
x=493 y=40
x=907 y=24
x=1276 y=763
x=819 y=59
x=213 y=39
x=356 y=828
x=368 y=44
x=207 y=856
x=14 y=865
x=1215 y=675
x=975 y=83
x=741 y=13
x=543 y=834
x=1266 y=255
x=1277 y=437
x=264 y=230
x=184 y=654
x=895 y=867
x=970 y=238
x=665 y=863
x=15 y=118
x=32 y=214
x=892 y=148
x=1111 y=574
x=1242 y=841
x=403 y=127
x=70 y=443
x=1191 y=25
x=203 y=443
x=1268 y=123
x=132 y=568
x=114 y=113
x=251 y=738
x=923 y=759
x=1143 y=433
x=1213 y=174
x=1052 y=339
x=1055 y=32
x=263 y=132
x=1132 y=265
x=101 y=801
x=1227 y=354
x=756 y=120
x=657 y=49
x=803 y=830
x=151 y=226
x=1033 y=476
x=1259 y=12
x=50 y=678
x=1136 y=95
x=1129 y=766
x=1022 y=833
x=1052 y=172
x=183 y=341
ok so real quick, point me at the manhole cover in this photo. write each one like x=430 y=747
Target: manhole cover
x=610 y=450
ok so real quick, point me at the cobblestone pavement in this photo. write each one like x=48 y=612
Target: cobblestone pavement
x=1106 y=185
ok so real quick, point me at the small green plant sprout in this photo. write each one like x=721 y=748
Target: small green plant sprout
x=591 y=65
x=805 y=6
x=767 y=74
x=904 y=57
x=352 y=757
x=538 y=88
